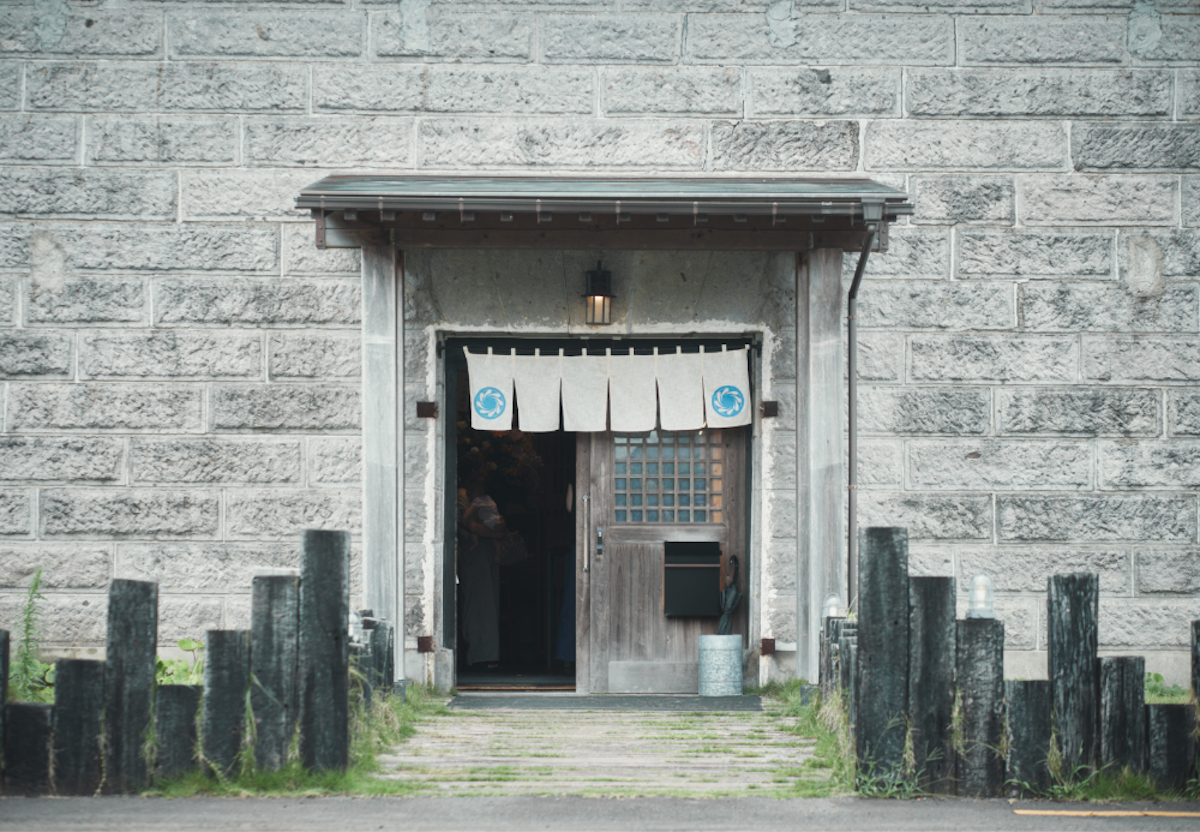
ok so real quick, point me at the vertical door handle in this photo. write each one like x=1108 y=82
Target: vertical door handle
x=587 y=522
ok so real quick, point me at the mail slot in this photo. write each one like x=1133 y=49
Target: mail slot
x=692 y=580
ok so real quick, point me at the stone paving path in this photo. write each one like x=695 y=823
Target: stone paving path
x=517 y=751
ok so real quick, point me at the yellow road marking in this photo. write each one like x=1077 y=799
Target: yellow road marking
x=1105 y=813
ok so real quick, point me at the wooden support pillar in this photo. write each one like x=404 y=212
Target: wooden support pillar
x=1172 y=747
x=1196 y=660
x=831 y=641
x=981 y=692
x=78 y=724
x=1029 y=734
x=129 y=683
x=324 y=649
x=850 y=682
x=383 y=438
x=27 y=748
x=223 y=710
x=882 y=653
x=1072 y=611
x=931 y=660
x=274 y=646
x=1122 y=726
x=175 y=710
x=3 y=694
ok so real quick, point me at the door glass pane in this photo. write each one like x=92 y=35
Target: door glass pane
x=639 y=482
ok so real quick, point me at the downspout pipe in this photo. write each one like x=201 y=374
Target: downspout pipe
x=873 y=214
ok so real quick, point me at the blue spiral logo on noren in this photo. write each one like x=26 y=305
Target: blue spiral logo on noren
x=728 y=401
x=489 y=403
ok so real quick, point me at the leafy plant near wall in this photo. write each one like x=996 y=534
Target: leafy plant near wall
x=181 y=671
x=1159 y=693
x=30 y=679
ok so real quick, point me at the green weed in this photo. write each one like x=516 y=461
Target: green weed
x=30 y=679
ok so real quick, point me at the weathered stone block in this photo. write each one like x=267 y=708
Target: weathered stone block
x=1140 y=517
x=451 y=143
x=1154 y=624
x=167 y=87
x=781 y=617
x=1133 y=146
x=10 y=87
x=295 y=141
x=270 y=462
x=1191 y=200
x=1127 y=464
x=16 y=512
x=785 y=145
x=148 y=513
x=880 y=356
x=14 y=245
x=947 y=200
x=965 y=145
x=914 y=253
x=185 y=616
x=87 y=33
x=280 y=513
x=880 y=463
x=927 y=305
x=822 y=40
x=917 y=410
x=1028 y=569
x=1080 y=307
x=66 y=619
x=1183 y=413
x=266 y=34
x=781 y=565
x=8 y=301
x=475 y=37
x=1038 y=92
x=838 y=91
x=1148 y=256
x=1091 y=411
x=64 y=566
x=1189 y=93
x=301 y=255
x=51 y=459
x=1021 y=253
x=1178 y=40
x=242 y=194
x=992 y=358
x=189 y=247
x=177 y=140
x=999 y=465
x=86 y=300
x=610 y=38
x=256 y=302
x=1119 y=6
x=170 y=355
x=286 y=407
x=1098 y=200
x=202 y=567
x=421 y=88
x=103 y=407
x=38 y=138
x=680 y=90
x=335 y=461
x=89 y=194
x=1042 y=40
x=321 y=356
x=949 y=6
x=1141 y=359
x=929 y=516
x=1168 y=570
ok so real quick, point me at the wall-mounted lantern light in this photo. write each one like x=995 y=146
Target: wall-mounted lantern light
x=832 y=606
x=982 y=603
x=599 y=296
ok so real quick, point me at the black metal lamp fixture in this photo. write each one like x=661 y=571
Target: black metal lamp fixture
x=599 y=295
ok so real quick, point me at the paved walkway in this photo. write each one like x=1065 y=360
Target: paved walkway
x=521 y=751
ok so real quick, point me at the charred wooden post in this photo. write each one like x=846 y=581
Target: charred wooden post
x=129 y=683
x=1196 y=660
x=1122 y=709
x=223 y=710
x=27 y=748
x=380 y=658
x=175 y=710
x=882 y=700
x=1029 y=734
x=3 y=694
x=324 y=649
x=980 y=766
x=274 y=647
x=831 y=658
x=849 y=648
x=1171 y=746
x=931 y=661
x=1072 y=611
x=78 y=724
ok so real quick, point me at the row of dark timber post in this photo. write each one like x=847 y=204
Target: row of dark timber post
x=292 y=667
x=929 y=707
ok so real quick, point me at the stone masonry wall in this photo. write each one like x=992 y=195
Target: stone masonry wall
x=179 y=366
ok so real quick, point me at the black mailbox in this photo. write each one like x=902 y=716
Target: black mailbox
x=692 y=580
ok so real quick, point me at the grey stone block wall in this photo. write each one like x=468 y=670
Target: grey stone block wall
x=179 y=365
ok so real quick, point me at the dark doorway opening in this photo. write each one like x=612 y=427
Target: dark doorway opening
x=531 y=479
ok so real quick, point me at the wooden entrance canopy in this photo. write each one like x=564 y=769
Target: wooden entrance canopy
x=555 y=212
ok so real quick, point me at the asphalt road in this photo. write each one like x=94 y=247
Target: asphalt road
x=499 y=814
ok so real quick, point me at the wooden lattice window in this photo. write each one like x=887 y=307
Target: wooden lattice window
x=669 y=477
